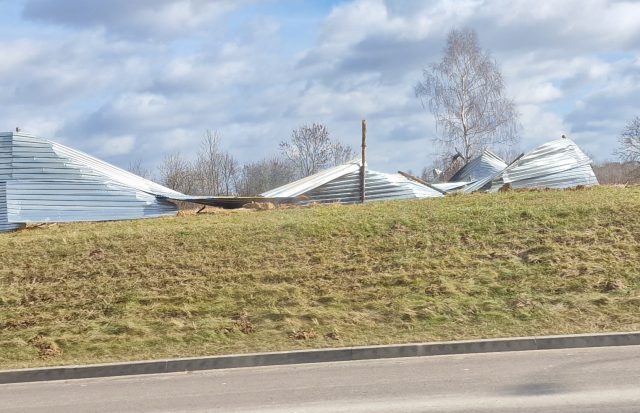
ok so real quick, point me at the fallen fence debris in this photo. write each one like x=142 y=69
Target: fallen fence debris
x=480 y=167
x=557 y=164
x=342 y=184
x=42 y=181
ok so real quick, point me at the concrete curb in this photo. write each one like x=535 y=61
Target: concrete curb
x=319 y=356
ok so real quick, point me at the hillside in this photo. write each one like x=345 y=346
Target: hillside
x=483 y=265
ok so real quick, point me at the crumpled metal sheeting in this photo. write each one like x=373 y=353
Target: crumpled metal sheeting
x=35 y=156
x=581 y=175
x=481 y=183
x=49 y=182
x=482 y=166
x=479 y=172
x=342 y=184
x=299 y=187
x=557 y=164
x=378 y=187
x=557 y=157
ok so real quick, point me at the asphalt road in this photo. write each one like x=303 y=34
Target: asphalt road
x=578 y=380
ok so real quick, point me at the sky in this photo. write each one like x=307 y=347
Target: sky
x=132 y=81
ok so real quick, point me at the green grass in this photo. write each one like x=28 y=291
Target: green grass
x=509 y=264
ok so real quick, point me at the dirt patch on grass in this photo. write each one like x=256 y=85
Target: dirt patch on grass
x=610 y=285
x=47 y=348
x=260 y=206
x=244 y=324
x=304 y=334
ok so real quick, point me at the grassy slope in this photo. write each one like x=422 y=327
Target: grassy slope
x=462 y=267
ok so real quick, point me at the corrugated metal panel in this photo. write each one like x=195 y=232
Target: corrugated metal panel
x=581 y=175
x=378 y=186
x=5 y=157
x=481 y=184
x=5 y=168
x=303 y=185
x=68 y=201
x=5 y=225
x=342 y=184
x=482 y=166
x=556 y=164
x=37 y=158
x=48 y=182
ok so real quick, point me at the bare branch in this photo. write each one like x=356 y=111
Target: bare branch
x=136 y=167
x=629 y=149
x=310 y=149
x=177 y=173
x=266 y=174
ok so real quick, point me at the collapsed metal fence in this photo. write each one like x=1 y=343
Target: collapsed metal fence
x=556 y=164
x=42 y=181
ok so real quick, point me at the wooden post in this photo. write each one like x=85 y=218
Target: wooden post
x=364 y=160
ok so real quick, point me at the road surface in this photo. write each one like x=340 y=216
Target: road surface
x=577 y=380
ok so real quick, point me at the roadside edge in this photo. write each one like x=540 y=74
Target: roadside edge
x=319 y=356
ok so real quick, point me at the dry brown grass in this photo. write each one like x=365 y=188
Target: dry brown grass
x=486 y=265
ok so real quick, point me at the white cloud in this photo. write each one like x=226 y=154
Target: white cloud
x=140 y=18
x=16 y=54
x=571 y=66
x=540 y=125
x=118 y=145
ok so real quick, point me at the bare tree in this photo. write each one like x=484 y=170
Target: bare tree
x=228 y=173
x=464 y=92
x=215 y=170
x=630 y=141
x=617 y=172
x=310 y=149
x=258 y=177
x=341 y=153
x=207 y=166
x=136 y=167
x=177 y=173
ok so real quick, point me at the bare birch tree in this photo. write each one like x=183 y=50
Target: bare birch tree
x=311 y=149
x=465 y=94
x=629 y=150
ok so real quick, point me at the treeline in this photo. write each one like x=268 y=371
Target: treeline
x=214 y=171
x=612 y=173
